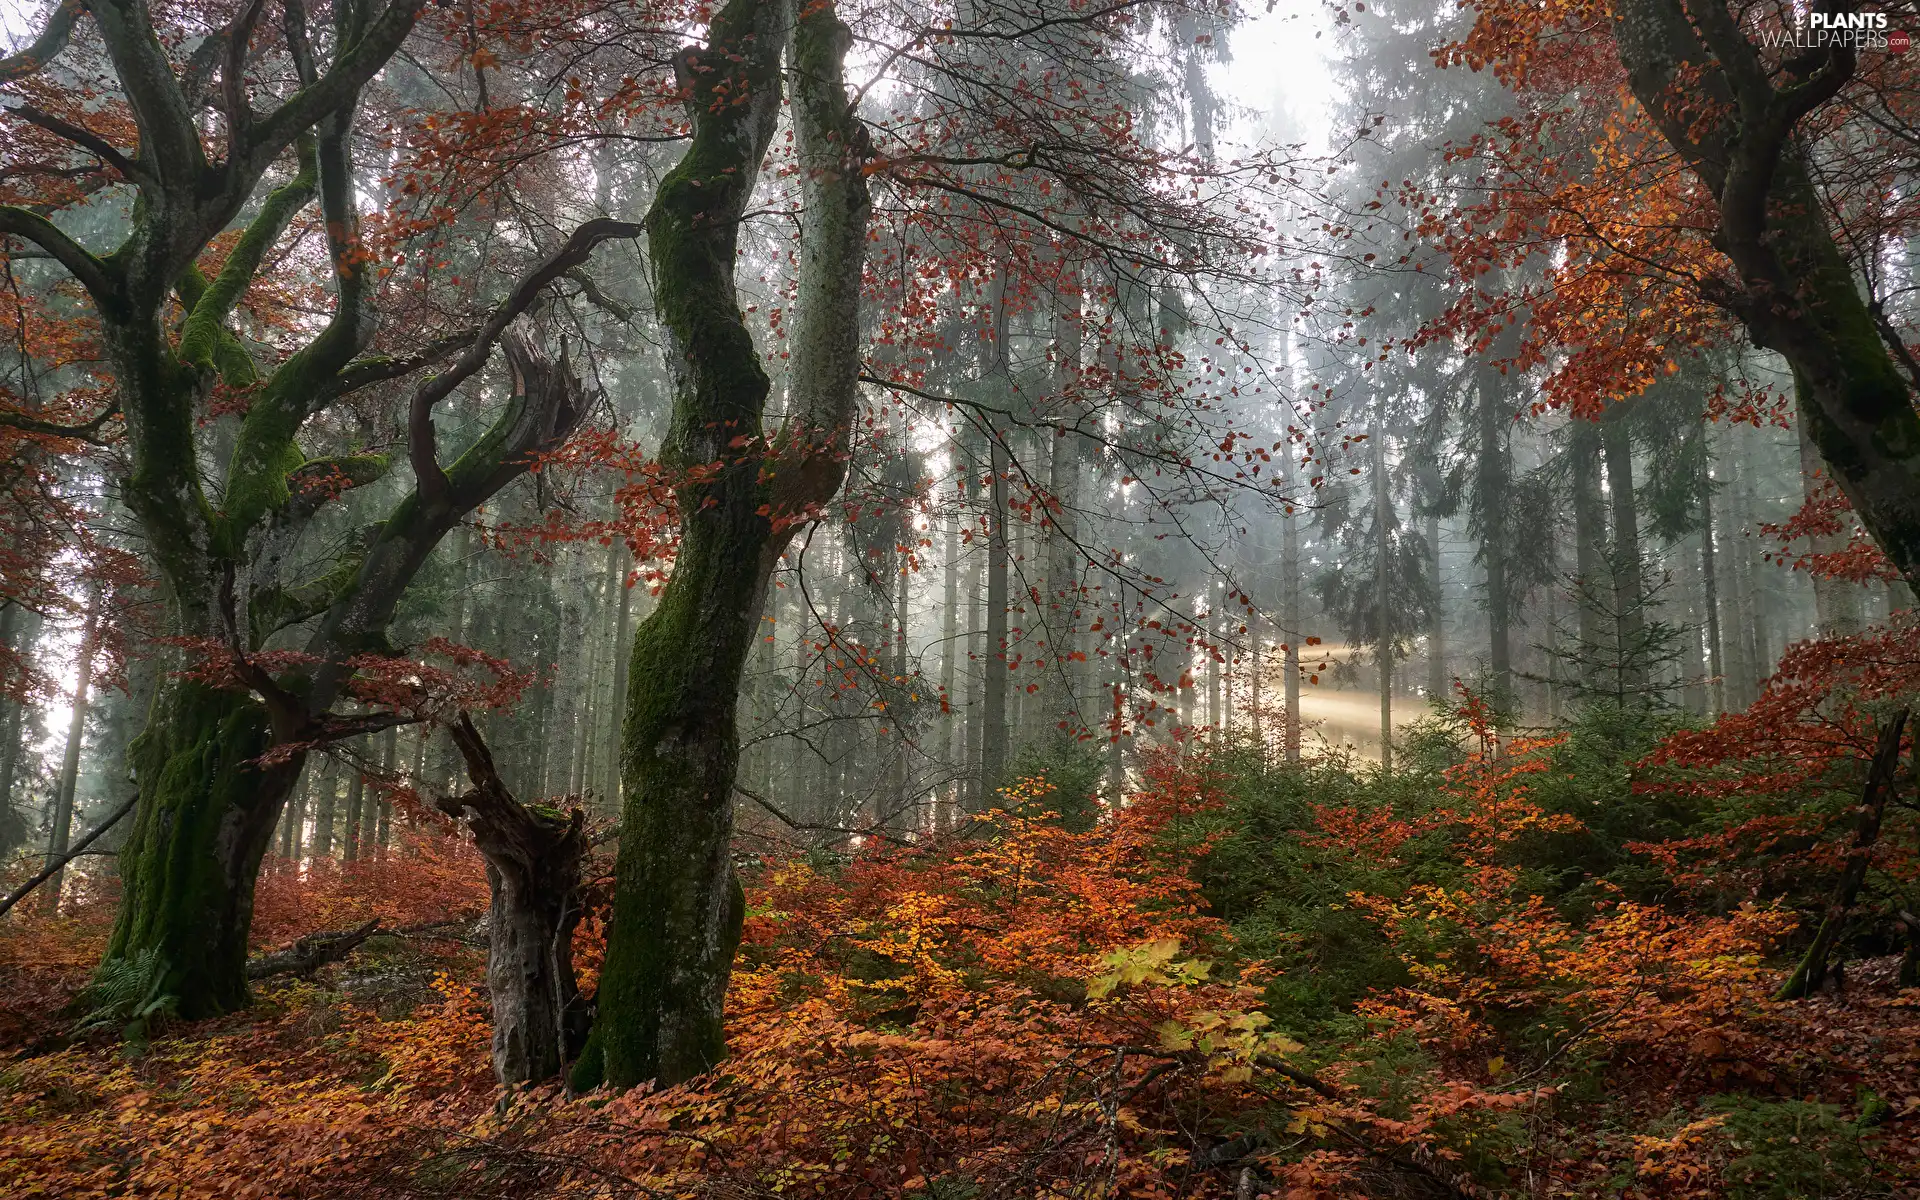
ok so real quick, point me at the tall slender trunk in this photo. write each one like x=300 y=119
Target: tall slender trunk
x=622 y=655
x=1593 y=576
x=324 y=813
x=372 y=837
x=1693 y=665
x=356 y=798
x=993 y=708
x=1215 y=711
x=1495 y=472
x=1629 y=587
x=1290 y=614
x=976 y=680
x=293 y=819
x=1751 y=604
x=1437 y=684
x=14 y=637
x=1383 y=577
x=62 y=822
x=955 y=748
x=1710 y=585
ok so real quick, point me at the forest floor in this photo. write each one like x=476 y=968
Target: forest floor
x=1244 y=983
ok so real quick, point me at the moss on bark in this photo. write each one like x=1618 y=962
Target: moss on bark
x=205 y=817
x=677 y=904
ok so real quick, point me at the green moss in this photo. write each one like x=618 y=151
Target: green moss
x=201 y=827
x=201 y=340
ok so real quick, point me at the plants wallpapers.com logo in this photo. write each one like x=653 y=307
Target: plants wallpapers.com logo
x=1821 y=31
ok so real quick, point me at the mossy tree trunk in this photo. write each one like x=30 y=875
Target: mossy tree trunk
x=205 y=817
x=677 y=903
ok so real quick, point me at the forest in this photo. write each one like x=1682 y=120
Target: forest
x=961 y=600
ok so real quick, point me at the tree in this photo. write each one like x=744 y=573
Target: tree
x=1770 y=227
x=163 y=304
x=678 y=906
x=1001 y=210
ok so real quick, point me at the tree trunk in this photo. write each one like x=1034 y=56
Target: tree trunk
x=976 y=786
x=1383 y=578
x=1797 y=292
x=534 y=856
x=1812 y=971
x=1710 y=586
x=678 y=905
x=206 y=815
x=16 y=715
x=1593 y=578
x=955 y=748
x=1438 y=687
x=293 y=816
x=993 y=708
x=1629 y=588
x=324 y=814
x=62 y=822
x=1215 y=711
x=622 y=655
x=1290 y=609
x=1495 y=471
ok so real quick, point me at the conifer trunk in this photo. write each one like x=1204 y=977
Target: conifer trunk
x=993 y=703
x=1710 y=586
x=1495 y=471
x=1589 y=536
x=1382 y=579
x=1290 y=609
x=1629 y=589
x=62 y=822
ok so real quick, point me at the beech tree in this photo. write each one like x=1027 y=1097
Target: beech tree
x=1788 y=198
x=252 y=125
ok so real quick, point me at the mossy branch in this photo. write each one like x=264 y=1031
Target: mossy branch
x=231 y=361
x=200 y=337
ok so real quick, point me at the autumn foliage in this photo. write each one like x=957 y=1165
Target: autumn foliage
x=1021 y=1009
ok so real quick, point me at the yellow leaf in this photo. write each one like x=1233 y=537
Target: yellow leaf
x=1173 y=1037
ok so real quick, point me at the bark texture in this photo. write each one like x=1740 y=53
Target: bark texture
x=677 y=903
x=534 y=856
x=1717 y=102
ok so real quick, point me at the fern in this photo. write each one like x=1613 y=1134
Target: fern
x=129 y=992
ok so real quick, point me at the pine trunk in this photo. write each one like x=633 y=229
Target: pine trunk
x=1629 y=588
x=1495 y=471
x=63 y=795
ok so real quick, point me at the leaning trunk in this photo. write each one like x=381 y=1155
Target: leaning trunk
x=1812 y=971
